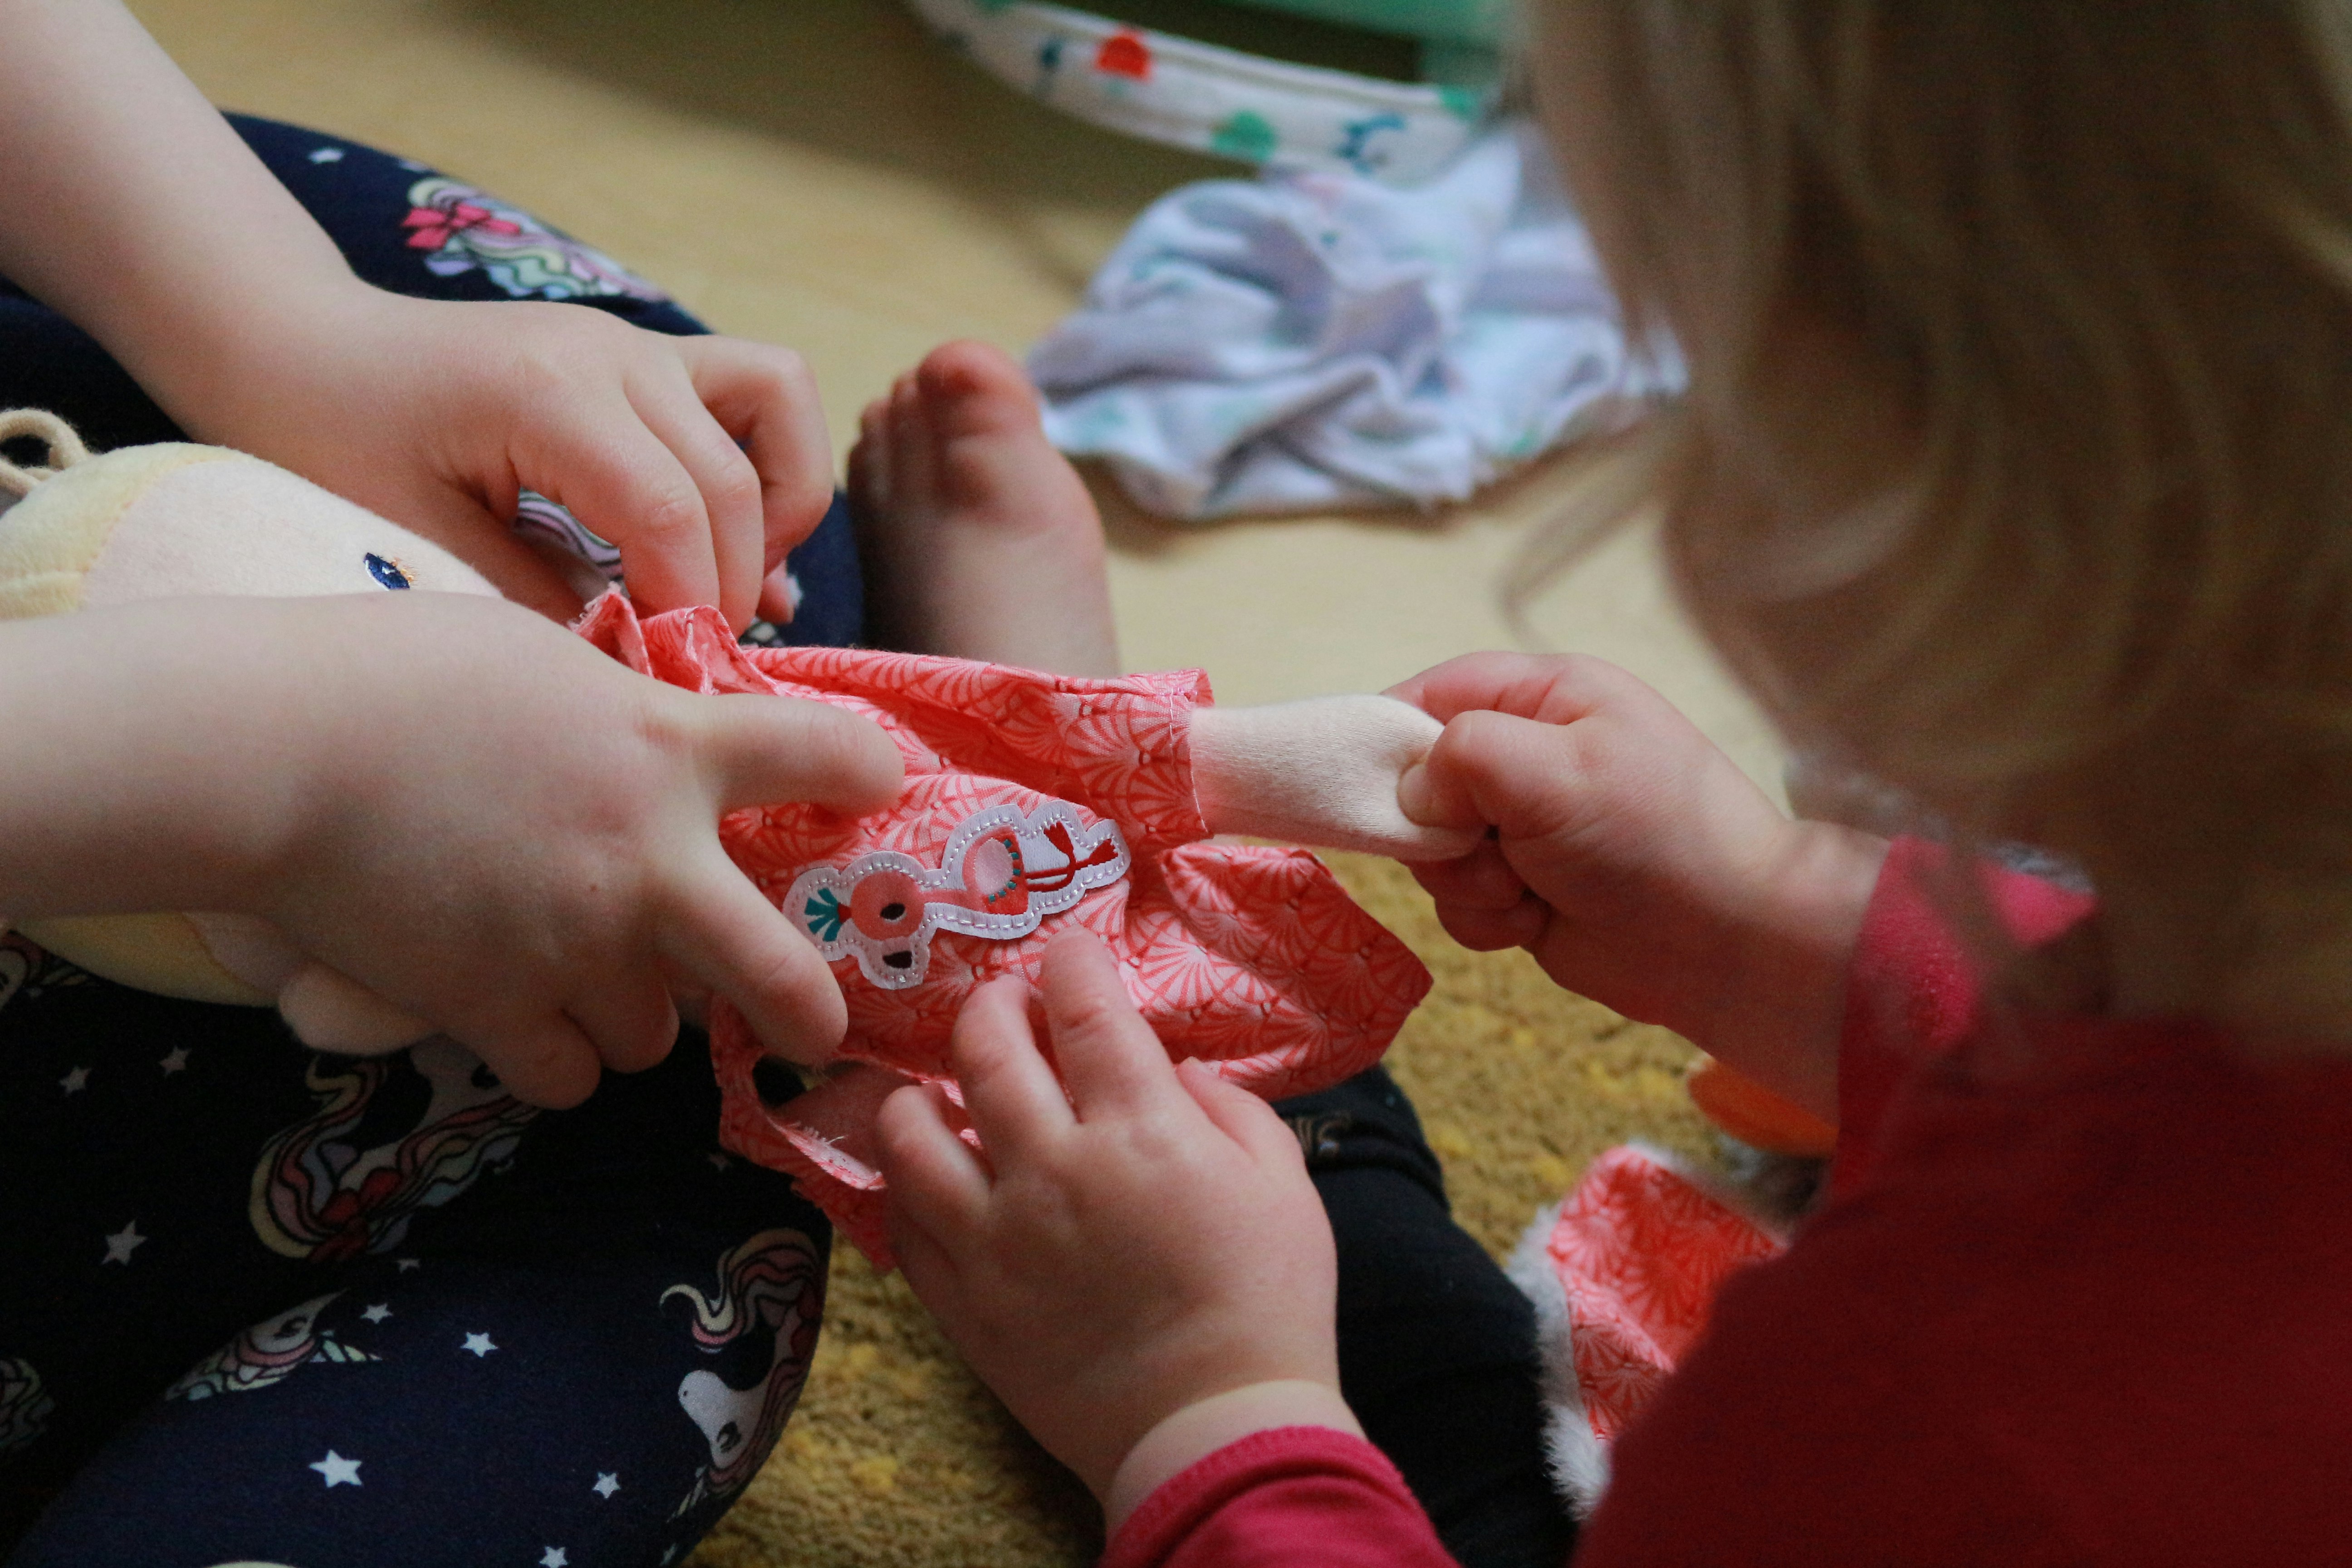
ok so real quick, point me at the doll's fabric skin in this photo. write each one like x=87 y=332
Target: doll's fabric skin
x=410 y=1206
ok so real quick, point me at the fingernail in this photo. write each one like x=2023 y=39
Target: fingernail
x=780 y=597
x=1412 y=793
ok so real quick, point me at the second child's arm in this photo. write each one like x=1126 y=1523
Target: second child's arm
x=474 y=813
x=1139 y=1267
x=1639 y=865
x=137 y=211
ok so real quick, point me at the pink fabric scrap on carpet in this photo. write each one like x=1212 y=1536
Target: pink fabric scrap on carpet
x=1252 y=959
x=1641 y=1250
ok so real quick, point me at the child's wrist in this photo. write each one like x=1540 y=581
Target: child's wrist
x=1788 y=1004
x=234 y=364
x=1190 y=1435
x=201 y=743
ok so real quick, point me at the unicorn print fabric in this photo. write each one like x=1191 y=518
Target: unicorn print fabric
x=1030 y=800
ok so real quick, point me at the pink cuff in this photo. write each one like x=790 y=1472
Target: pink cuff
x=1305 y=1496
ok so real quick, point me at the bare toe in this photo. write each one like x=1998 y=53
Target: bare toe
x=869 y=462
x=865 y=494
x=914 y=441
x=990 y=547
x=978 y=389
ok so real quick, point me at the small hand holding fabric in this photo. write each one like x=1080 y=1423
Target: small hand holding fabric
x=1139 y=1239
x=538 y=922
x=162 y=235
x=1637 y=863
x=704 y=460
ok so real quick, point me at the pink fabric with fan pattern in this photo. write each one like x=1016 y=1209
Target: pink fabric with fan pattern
x=1252 y=959
x=1641 y=1250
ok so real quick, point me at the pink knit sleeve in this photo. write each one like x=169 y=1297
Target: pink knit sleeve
x=1296 y=1497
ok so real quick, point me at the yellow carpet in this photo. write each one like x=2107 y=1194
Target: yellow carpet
x=898 y=1457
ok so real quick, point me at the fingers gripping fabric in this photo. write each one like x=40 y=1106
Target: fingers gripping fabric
x=1021 y=791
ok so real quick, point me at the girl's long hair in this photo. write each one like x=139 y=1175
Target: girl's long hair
x=2016 y=464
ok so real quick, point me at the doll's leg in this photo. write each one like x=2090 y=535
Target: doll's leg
x=980 y=540
x=1437 y=1352
x=411 y=230
x=581 y=1362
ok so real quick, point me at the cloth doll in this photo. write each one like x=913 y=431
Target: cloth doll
x=1624 y=1272
x=1030 y=800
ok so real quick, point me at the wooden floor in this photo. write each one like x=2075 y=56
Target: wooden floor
x=819 y=173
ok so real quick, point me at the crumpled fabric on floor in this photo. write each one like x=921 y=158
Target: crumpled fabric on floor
x=1624 y=1273
x=1249 y=957
x=1311 y=340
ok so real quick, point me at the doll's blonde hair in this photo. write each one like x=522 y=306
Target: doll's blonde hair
x=2016 y=458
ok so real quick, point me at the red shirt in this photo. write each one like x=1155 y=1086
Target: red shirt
x=2083 y=1294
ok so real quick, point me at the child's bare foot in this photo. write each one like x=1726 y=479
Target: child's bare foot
x=982 y=538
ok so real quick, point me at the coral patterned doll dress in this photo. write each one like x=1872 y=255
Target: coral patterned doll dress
x=1030 y=800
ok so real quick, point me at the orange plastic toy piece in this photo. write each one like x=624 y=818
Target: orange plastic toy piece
x=1756 y=1116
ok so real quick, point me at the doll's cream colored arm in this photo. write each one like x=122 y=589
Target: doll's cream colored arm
x=134 y=208
x=1323 y=772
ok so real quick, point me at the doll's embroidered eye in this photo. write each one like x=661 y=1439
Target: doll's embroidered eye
x=386 y=571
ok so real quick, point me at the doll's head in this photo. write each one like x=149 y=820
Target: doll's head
x=149 y=523
x=80 y=532
x=2016 y=458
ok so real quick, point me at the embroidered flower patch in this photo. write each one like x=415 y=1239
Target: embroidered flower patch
x=1000 y=875
x=463 y=228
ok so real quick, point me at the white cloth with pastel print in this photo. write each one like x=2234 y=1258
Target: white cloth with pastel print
x=1314 y=341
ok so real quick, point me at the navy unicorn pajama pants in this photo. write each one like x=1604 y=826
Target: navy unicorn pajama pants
x=261 y=1304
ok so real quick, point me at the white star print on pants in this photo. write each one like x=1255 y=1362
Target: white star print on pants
x=338 y=1470
x=123 y=1243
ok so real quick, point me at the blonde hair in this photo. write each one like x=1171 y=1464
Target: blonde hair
x=2017 y=456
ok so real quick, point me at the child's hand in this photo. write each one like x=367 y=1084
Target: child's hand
x=1637 y=863
x=516 y=838
x=472 y=813
x=1127 y=1250
x=436 y=413
x=161 y=235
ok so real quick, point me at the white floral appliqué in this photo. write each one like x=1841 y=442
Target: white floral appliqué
x=1000 y=875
